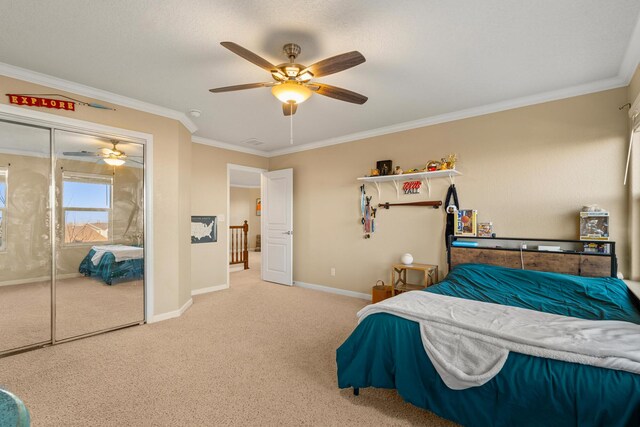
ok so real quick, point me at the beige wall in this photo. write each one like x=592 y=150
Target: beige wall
x=242 y=206
x=170 y=152
x=209 y=197
x=27 y=254
x=528 y=170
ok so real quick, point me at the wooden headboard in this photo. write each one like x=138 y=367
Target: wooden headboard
x=567 y=262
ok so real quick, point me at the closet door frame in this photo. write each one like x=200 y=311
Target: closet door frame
x=52 y=122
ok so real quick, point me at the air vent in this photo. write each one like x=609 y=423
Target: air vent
x=253 y=141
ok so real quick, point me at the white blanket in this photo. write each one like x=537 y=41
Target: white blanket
x=121 y=252
x=468 y=341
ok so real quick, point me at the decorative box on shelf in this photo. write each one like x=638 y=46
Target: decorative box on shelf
x=594 y=225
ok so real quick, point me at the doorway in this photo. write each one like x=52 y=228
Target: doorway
x=72 y=234
x=244 y=222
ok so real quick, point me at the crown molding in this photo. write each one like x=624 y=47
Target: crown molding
x=227 y=146
x=569 y=92
x=91 y=92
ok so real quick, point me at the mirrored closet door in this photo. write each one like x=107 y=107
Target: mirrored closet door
x=71 y=235
x=99 y=234
x=25 y=230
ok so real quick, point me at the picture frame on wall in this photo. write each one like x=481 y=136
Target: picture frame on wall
x=204 y=229
x=258 y=206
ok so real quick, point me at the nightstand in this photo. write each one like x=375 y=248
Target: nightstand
x=400 y=284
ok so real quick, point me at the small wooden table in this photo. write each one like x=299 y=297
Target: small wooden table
x=400 y=283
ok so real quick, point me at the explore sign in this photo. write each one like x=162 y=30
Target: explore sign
x=35 y=101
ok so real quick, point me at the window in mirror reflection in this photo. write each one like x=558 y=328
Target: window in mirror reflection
x=87 y=207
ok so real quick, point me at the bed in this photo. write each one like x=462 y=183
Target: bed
x=114 y=263
x=387 y=351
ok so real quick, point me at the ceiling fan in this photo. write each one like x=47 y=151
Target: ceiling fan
x=293 y=83
x=111 y=156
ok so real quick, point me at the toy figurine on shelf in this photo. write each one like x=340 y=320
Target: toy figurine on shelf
x=444 y=165
x=398 y=171
x=451 y=161
x=433 y=165
x=375 y=172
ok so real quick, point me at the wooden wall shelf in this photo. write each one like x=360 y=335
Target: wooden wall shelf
x=425 y=177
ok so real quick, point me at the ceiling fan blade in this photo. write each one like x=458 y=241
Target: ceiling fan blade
x=80 y=153
x=335 y=64
x=289 y=109
x=240 y=87
x=338 y=93
x=249 y=56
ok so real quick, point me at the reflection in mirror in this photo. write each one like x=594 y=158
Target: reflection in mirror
x=25 y=244
x=99 y=281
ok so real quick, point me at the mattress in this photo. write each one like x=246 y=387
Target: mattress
x=386 y=351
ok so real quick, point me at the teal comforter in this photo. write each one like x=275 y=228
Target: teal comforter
x=386 y=351
x=110 y=270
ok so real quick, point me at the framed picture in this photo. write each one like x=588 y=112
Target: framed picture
x=258 y=206
x=466 y=224
x=204 y=229
x=384 y=167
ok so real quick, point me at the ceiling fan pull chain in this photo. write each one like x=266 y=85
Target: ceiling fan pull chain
x=291 y=126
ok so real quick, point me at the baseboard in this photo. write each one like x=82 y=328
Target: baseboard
x=236 y=267
x=172 y=314
x=333 y=290
x=209 y=289
x=40 y=279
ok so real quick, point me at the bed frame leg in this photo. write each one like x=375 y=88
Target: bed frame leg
x=356 y=391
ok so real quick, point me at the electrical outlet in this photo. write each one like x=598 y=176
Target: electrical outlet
x=333 y=271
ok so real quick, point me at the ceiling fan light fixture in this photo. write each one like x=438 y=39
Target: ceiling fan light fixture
x=113 y=161
x=291 y=92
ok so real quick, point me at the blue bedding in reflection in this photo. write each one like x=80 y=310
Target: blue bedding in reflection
x=386 y=351
x=109 y=270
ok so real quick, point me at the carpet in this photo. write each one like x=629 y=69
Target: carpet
x=254 y=354
x=83 y=305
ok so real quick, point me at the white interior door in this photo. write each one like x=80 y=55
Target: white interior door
x=277 y=226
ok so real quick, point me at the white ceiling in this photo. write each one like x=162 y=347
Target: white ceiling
x=426 y=59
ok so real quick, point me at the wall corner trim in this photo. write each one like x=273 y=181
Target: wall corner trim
x=172 y=314
x=209 y=289
x=331 y=290
x=91 y=92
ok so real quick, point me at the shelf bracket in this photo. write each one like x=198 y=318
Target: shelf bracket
x=377 y=184
x=427 y=183
x=397 y=185
x=452 y=179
